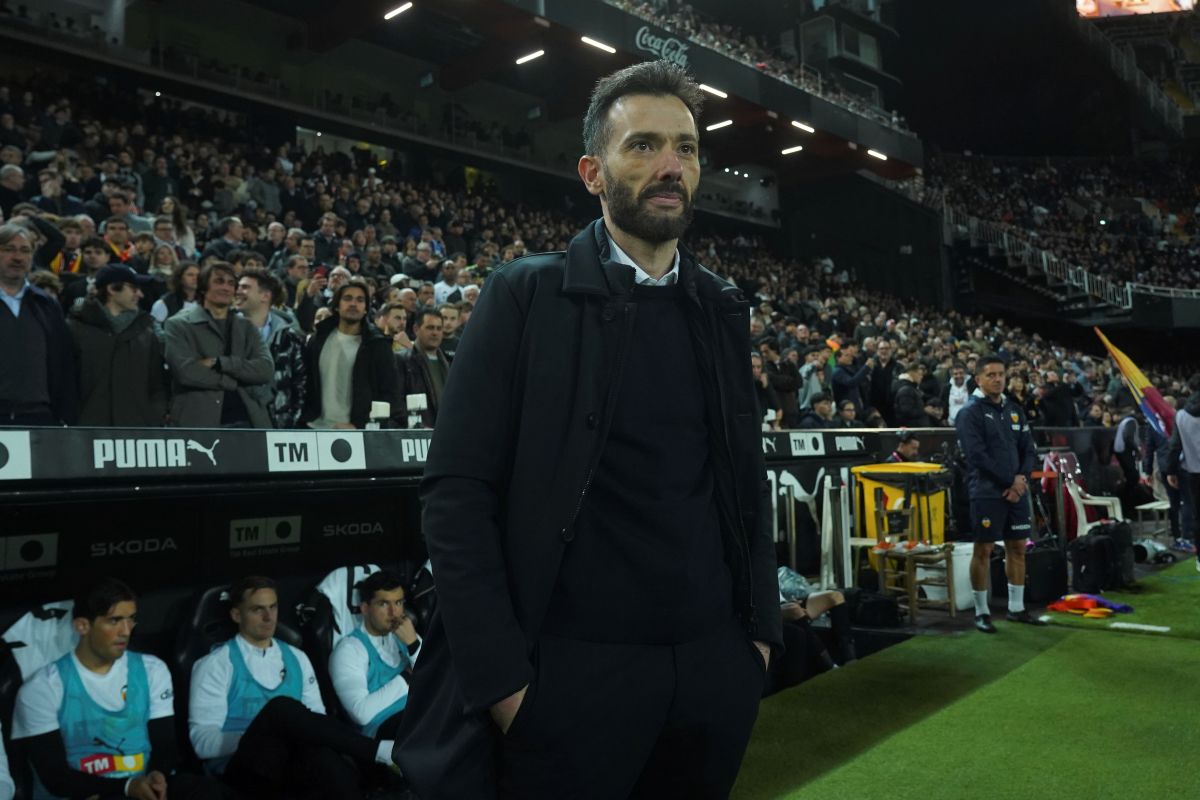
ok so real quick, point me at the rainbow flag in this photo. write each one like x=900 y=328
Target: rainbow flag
x=1160 y=415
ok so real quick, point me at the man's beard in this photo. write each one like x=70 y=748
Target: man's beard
x=628 y=214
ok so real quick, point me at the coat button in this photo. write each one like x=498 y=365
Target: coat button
x=593 y=419
x=567 y=534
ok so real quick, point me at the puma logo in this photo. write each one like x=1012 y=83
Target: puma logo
x=192 y=444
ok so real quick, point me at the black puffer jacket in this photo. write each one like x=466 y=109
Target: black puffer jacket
x=122 y=376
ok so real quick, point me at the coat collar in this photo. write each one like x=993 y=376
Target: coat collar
x=590 y=269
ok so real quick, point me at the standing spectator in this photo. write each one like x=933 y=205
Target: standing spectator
x=95 y=255
x=392 y=321
x=847 y=416
x=451 y=322
x=37 y=362
x=265 y=191
x=812 y=375
x=326 y=242
x=53 y=200
x=157 y=184
x=957 y=392
x=116 y=235
x=1127 y=450
x=181 y=292
x=350 y=365
x=122 y=377
x=120 y=205
x=12 y=188
x=1056 y=404
x=184 y=235
x=69 y=258
x=220 y=367
x=908 y=403
x=848 y=381
x=257 y=293
x=1018 y=391
x=443 y=289
x=785 y=380
x=229 y=233
x=424 y=366
x=883 y=376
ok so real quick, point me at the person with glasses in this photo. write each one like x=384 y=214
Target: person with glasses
x=370 y=667
x=220 y=367
x=37 y=361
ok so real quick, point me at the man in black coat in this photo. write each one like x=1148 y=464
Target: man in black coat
x=595 y=502
x=37 y=362
x=350 y=365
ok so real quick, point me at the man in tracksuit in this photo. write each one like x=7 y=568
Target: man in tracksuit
x=595 y=502
x=999 y=451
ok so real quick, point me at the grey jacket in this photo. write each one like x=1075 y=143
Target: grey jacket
x=199 y=391
x=1183 y=451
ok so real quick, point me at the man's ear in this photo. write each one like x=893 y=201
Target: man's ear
x=591 y=174
x=82 y=626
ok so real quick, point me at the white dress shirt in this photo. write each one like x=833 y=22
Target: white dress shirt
x=640 y=276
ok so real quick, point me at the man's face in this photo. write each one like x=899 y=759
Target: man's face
x=50 y=185
x=126 y=298
x=327 y=226
x=352 y=305
x=164 y=232
x=650 y=168
x=235 y=231
x=221 y=288
x=991 y=378
x=117 y=206
x=824 y=409
x=15 y=259
x=908 y=450
x=73 y=236
x=884 y=351
x=143 y=247
x=308 y=249
x=959 y=374
x=94 y=258
x=117 y=233
x=337 y=278
x=430 y=332
x=425 y=295
x=848 y=413
x=449 y=273
x=250 y=299
x=257 y=615
x=408 y=299
x=449 y=320
x=107 y=637
x=382 y=615
x=298 y=271
x=393 y=322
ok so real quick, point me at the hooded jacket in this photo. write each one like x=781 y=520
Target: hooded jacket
x=122 y=376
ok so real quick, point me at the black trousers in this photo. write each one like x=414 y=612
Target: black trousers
x=289 y=752
x=186 y=787
x=611 y=721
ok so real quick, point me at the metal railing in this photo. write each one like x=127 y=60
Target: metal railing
x=1126 y=68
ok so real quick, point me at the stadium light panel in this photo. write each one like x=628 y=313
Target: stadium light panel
x=158 y=94
x=608 y=48
x=803 y=127
x=788 y=151
x=719 y=125
x=727 y=169
x=877 y=154
x=531 y=57
x=318 y=133
x=397 y=11
x=705 y=87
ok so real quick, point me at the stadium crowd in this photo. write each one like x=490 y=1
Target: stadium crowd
x=684 y=20
x=169 y=236
x=1132 y=220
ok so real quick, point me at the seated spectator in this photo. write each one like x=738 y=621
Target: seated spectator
x=370 y=667
x=820 y=414
x=53 y=200
x=116 y=236
x=451 y=318
x=847 y=415
x=220 y=368
x=448 y=285
x=392 y=320
x=350 y=365
x=69 y=258
x=12 y=188
x=37 y=361
x=424 y=367
x=120 y=206
x=255 y=713
x=98 y=722
x=907 y=449
x=257 y=293
x=122 y=379
x=229 y=238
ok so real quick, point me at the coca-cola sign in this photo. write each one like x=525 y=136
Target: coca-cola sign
x=667 y=48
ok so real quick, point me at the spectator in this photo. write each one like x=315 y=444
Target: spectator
x=229 y=231
x=451 y=320
x=820 y=415
x=424 y=367
x=785 y=380
x=392 y=321
x=220 y=368
x=847 y=415
x=326 y=242
x=812 y=375
x=848 y=381
x=1056 y=404
x=371 y=665
x=68 y=259
x=12 y=188
x=181 y=294
x=95 y=256
x=255 y=713
x=957 y=392
x=99 y=721
x=53 y=200
x=120 y=206
x=448 y=285
x=769 y=412
x=907 y=400
x=257 y=293
x=1018 y=392
x=350 y=365
x=184 y=235
x=157 y=184
x=122 y=378
x=116 y=236
x=37 y=363
x=1183 y=460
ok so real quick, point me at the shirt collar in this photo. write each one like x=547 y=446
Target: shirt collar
x=640 y=276
x=19 y=295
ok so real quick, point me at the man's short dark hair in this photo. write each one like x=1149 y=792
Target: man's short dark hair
x=163 y=220
x=265 y=280
x=388 y=308
x=206 y=273
x=419 y=317
x=982 y=362
x=95 y=243
x=353 y=283
x=249 y=585
x=95 y=599
x=382 y=581
x=656 y=78
x=907 y=436
x=225 y=223
x=820 y=397
x=114 y=220
x=121 y=195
